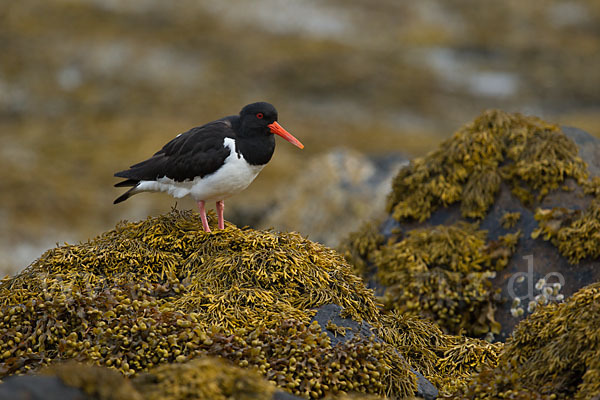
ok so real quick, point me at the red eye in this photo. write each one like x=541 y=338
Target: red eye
x=259 y=115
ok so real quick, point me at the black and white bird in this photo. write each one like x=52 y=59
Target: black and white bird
x=211 y=162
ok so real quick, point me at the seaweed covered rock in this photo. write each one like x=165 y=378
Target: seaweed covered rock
x=202 y=378
x=162 y=292
x=341 y=330
x=552 y=354
x=466 y=239
x=95 y=382
x=35 y=387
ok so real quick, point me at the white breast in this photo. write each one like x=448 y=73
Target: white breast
x=234 y=176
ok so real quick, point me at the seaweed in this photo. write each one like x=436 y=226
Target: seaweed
x=510 y=219
x=576 y=233
x=533 y=157
x=97 y=382
x=442 y=272
x=552 y=354
x=203 y=378
x=161 y=293
x=447 y=361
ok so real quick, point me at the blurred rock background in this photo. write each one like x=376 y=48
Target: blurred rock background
x=89 y=87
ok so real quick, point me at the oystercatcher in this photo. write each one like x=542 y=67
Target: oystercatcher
x=211 y=162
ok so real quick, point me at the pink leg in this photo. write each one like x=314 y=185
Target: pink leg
x=220 y=208
x=203 y=216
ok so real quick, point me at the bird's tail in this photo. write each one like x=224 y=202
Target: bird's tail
x=127 y=182
x=129 y=193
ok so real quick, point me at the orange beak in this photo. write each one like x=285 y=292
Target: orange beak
x=278 y=130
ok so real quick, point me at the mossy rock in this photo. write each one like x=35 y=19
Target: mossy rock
x=466 y=239
x=552 y=354
x=161 y=291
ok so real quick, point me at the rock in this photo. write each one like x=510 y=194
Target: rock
x=152 y=299
x=202 y=378
x=279 y=395
x=553 y=354
x=464 y=241
x=329 y=317
x=589 y=148
x=332 y=196
x=33 y=387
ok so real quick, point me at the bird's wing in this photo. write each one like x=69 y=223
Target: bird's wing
x=197 y=152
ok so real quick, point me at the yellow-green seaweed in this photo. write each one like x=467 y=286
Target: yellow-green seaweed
x=447 y=361
x=510 y=219
x=552 y=354
x=203 y=378
x=442 y=272
x=532 y=156
x=162 y=291
x=97 y=382
x=576 y=233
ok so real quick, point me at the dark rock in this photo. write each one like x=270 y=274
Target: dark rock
x=37 y=387
x=330 y=313
x=279 y=395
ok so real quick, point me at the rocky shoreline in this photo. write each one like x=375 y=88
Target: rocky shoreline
x=415 y=305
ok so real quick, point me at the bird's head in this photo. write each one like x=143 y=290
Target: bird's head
x=262 y=117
